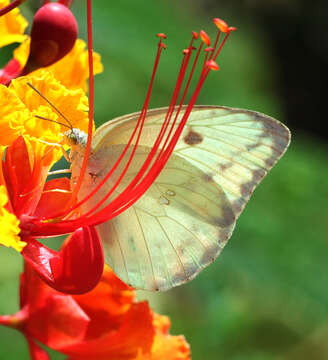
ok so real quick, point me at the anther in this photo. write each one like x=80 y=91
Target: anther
x=221 y=25
x=232 y=28
x=162 y=45
x=161 y=35
x=195 y=35
x=205 y=38
x=212 y=65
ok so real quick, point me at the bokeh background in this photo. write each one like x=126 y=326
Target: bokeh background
x=266 y=297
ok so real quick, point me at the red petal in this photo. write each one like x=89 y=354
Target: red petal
x=52 y=318
x=57 y=321
x=80 y=263
x=134 y=333
x=50 y=202
x=35 y=351
x=76 y=269
x=17 y=171
x=10 y=71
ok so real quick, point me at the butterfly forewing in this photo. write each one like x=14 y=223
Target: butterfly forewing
x=234 y=147
x=185 y=218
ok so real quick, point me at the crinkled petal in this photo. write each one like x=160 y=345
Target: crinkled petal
x=13 y=115
x=166 y=346
x=12 y=26
x=73 y=104
x=72 y=70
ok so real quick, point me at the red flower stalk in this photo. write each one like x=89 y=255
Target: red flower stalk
x=103 y=324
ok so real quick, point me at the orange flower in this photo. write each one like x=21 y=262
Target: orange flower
x=104 y=324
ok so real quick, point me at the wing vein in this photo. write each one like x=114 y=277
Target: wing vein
x=123 y=258
x=143 y=235
x=174 y=249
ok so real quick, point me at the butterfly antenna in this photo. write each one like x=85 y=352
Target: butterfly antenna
x=57 y=122
x=51 y=104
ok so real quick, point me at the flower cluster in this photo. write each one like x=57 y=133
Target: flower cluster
x=69 y=301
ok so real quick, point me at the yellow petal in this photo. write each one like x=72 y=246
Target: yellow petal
x=9 y=225
x=72 y=103
x=22 y=51
x=12 y=26
x=72 y=70
x=13 y=115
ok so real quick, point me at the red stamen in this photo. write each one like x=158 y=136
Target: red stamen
x=221 y=25
x=161 y=35
x=212 y=65
x=140 y=121
x=221 y=46
x=110 y=207
x=205 y=38
x=154 y=149
x=195 y=35
x=10 y=7
x=152 y=166
x=91 y=103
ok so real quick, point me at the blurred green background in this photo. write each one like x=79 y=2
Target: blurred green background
x=266 y=296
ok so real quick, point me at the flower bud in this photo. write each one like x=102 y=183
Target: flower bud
x=53 y=34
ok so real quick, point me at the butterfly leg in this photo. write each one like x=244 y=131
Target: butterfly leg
x=57 y=172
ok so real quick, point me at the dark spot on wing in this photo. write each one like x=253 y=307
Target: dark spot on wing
x=223 y=236
x=210 y=254
x=226 y=219
x=193 y=138
x=224 y=167
x=248 y=187
x=132 y=243
x=208 y=177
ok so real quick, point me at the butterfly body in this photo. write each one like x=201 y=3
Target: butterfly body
x=183 y=221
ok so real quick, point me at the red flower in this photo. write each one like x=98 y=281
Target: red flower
x=78 y=266
x=103 y=324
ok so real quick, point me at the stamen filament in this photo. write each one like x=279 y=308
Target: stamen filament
x=140 y=121
x=153 y=164
x=91 y=105
x=10 y=7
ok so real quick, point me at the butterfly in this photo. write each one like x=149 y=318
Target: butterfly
x=184 y=220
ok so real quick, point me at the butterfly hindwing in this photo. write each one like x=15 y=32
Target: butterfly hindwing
x=172 y=232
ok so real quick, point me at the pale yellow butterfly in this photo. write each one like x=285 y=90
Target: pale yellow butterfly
x=183 y=221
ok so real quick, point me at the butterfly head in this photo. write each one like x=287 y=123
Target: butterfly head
x=76 y=137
